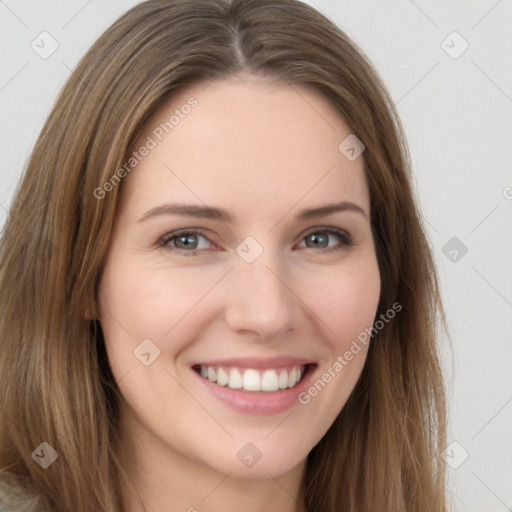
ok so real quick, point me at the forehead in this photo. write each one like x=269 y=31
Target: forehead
x=246 y=144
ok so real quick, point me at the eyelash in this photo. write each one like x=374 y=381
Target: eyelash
x=347 y=240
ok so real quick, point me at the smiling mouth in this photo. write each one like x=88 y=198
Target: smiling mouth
x=270 y=380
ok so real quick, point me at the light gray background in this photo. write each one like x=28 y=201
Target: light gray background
x=457 y=115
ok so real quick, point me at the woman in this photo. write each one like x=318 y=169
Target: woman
x=175 y=336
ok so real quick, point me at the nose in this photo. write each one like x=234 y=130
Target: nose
x=261 y=299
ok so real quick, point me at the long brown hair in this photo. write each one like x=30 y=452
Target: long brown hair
x=383 y=451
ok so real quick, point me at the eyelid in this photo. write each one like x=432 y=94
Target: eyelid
x=348 y=240
x=328 y=229
x=185 y=231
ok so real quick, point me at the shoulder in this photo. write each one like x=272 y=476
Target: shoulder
x=14 y=499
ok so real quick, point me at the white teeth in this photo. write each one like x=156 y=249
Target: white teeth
x=235 y=379
x=291 y=379
x=211 y=374
x=283 y=379
x=222 y=377
x=269 y=381
x=253 y=380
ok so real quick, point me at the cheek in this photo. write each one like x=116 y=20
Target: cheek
x=347 y=311
x=138 y=302
x=345 y=300
x=144 y=300
x=149 y=303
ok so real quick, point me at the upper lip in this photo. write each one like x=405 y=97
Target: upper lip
x=257 y=363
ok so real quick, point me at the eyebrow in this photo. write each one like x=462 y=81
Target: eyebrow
x=210 y=212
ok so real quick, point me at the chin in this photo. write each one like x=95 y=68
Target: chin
x=258 y=460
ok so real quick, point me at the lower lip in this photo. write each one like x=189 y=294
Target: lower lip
x=259 y=402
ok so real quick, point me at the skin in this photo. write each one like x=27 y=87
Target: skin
x=263 y=152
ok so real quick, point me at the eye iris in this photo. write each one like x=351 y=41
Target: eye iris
x=316 y=239
x=186 y=241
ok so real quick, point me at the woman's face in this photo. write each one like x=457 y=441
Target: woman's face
x=223 y=266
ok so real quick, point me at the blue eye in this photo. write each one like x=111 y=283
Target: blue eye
x=187 y=242
x=325 y=234
x=184 y=242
